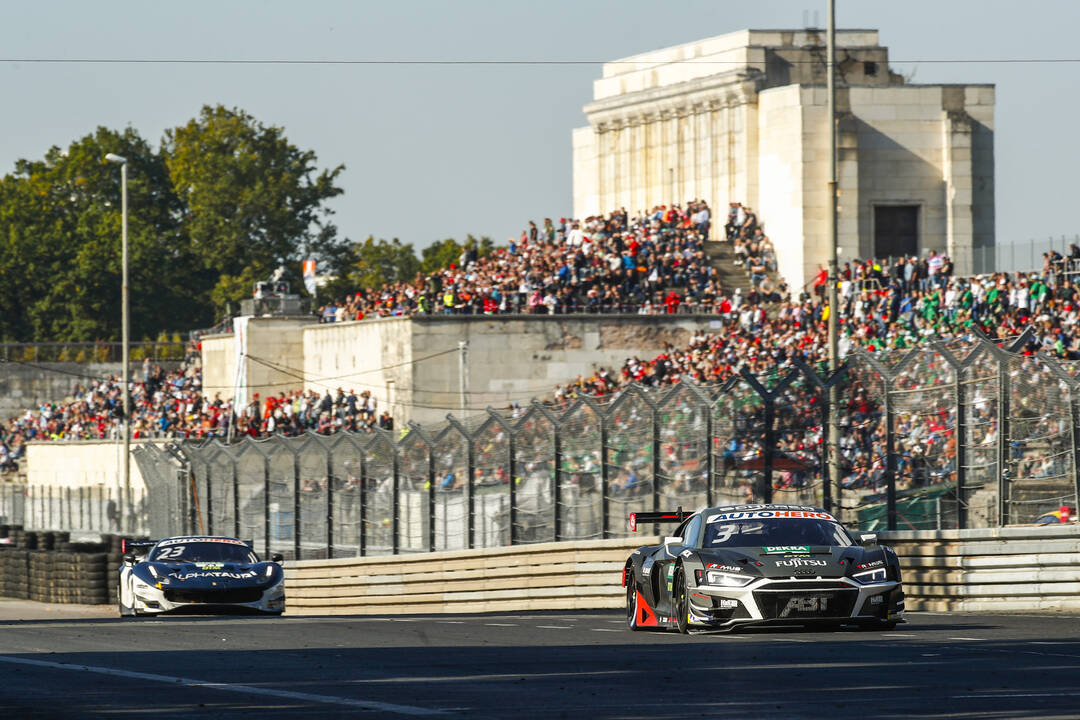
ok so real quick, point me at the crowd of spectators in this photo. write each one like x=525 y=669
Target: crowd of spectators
x=171 y=404
x=650 y=263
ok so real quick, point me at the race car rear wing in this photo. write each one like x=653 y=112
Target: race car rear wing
x=136 y=547
x=658 y=517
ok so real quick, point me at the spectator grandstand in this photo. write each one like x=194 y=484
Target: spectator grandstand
x=652 y=263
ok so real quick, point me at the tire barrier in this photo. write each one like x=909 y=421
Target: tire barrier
x=49 y=567
x=1015 y=569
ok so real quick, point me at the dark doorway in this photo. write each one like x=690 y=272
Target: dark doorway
x=896 y=230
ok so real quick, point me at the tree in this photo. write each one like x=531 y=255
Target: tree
x=444 y=253
x=252 y=199
x=372 y=264
x=218 y=205
x=60 y=243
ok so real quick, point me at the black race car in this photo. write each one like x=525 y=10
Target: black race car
x=198 y=573
x=738 y=565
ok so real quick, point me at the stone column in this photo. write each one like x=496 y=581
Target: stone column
x=957 y=174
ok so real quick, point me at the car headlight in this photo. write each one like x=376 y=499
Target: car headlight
x=877 y=575
x=723 y=579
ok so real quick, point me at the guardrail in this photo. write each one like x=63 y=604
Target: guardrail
x=547 y=576
x=986 y=570
x=990 y=570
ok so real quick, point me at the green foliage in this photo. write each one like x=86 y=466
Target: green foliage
x=443 y=254
x=374 y=263
x=219 y=205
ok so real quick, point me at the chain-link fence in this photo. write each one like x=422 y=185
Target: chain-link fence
x=964 y=433
x=93 y=509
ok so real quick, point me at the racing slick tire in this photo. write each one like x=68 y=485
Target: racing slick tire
x=632 y=614
x=681 y=601
x=125 y=611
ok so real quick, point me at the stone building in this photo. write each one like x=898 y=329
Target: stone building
x=743 y=117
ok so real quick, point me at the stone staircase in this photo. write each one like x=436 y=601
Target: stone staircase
x=722 y=257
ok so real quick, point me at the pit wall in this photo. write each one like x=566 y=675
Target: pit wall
x=1018 y=569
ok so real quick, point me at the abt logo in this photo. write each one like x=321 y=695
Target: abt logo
x=805 y=604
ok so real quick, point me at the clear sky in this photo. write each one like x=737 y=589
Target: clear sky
x=441 y=151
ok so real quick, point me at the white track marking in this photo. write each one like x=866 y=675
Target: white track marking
x=605 y=630
x=451 y=622
x=501 y=624
x=965 y=638
x=896 y=635
x=229 y=687
x=992 y=696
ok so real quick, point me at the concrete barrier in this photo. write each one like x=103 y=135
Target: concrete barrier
x=548 y=576
x=994 y=570
x=1014 y=569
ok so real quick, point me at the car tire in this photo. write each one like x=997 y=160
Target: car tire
x=681 y=601
x=632 y=611
x=125 y=611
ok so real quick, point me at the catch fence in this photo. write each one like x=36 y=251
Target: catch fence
x=969 y=433
x=959 y=434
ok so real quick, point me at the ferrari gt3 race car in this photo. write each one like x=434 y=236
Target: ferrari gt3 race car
x=198 y=574
x=739 y=565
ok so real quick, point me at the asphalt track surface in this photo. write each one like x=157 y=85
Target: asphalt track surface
x=82 y=662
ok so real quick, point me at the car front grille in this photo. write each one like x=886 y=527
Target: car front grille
x=820 y=602
x=214 y=597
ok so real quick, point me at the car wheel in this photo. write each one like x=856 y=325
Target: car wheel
x=682 y=603
x=125 y=611
x=631 y=602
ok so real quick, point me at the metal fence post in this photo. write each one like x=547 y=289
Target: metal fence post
x=1004 y=432
x=395 y=515
x=511 y=462
x=236 y=498
x=556 y=494
x=770 y=445
x=209 y=498
x=329 y=504
x=363 y=501
x=605 y=520
x=961 y=450
x=266 y=503
x=890 y=455
x=297 y=520
x=654 y=416
x=470 y=473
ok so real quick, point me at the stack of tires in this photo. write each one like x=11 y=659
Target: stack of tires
x=48 y=567
x=13 y=558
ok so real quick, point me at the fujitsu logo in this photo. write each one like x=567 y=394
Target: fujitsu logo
x=801 y=562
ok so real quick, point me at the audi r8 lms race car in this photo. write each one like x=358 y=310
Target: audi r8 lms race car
x=739 y=565
x=198 y=574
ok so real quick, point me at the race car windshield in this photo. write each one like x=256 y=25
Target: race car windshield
x=205 y=552
x=762 y=533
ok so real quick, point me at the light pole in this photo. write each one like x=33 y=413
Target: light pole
x=125 y=500
x=832 y=452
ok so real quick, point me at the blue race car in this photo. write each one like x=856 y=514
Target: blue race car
x=198 y=574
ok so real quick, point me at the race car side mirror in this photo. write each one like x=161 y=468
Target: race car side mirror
x=673 y=540
x=129 y=559
x=277 y=557
x=867 y=539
